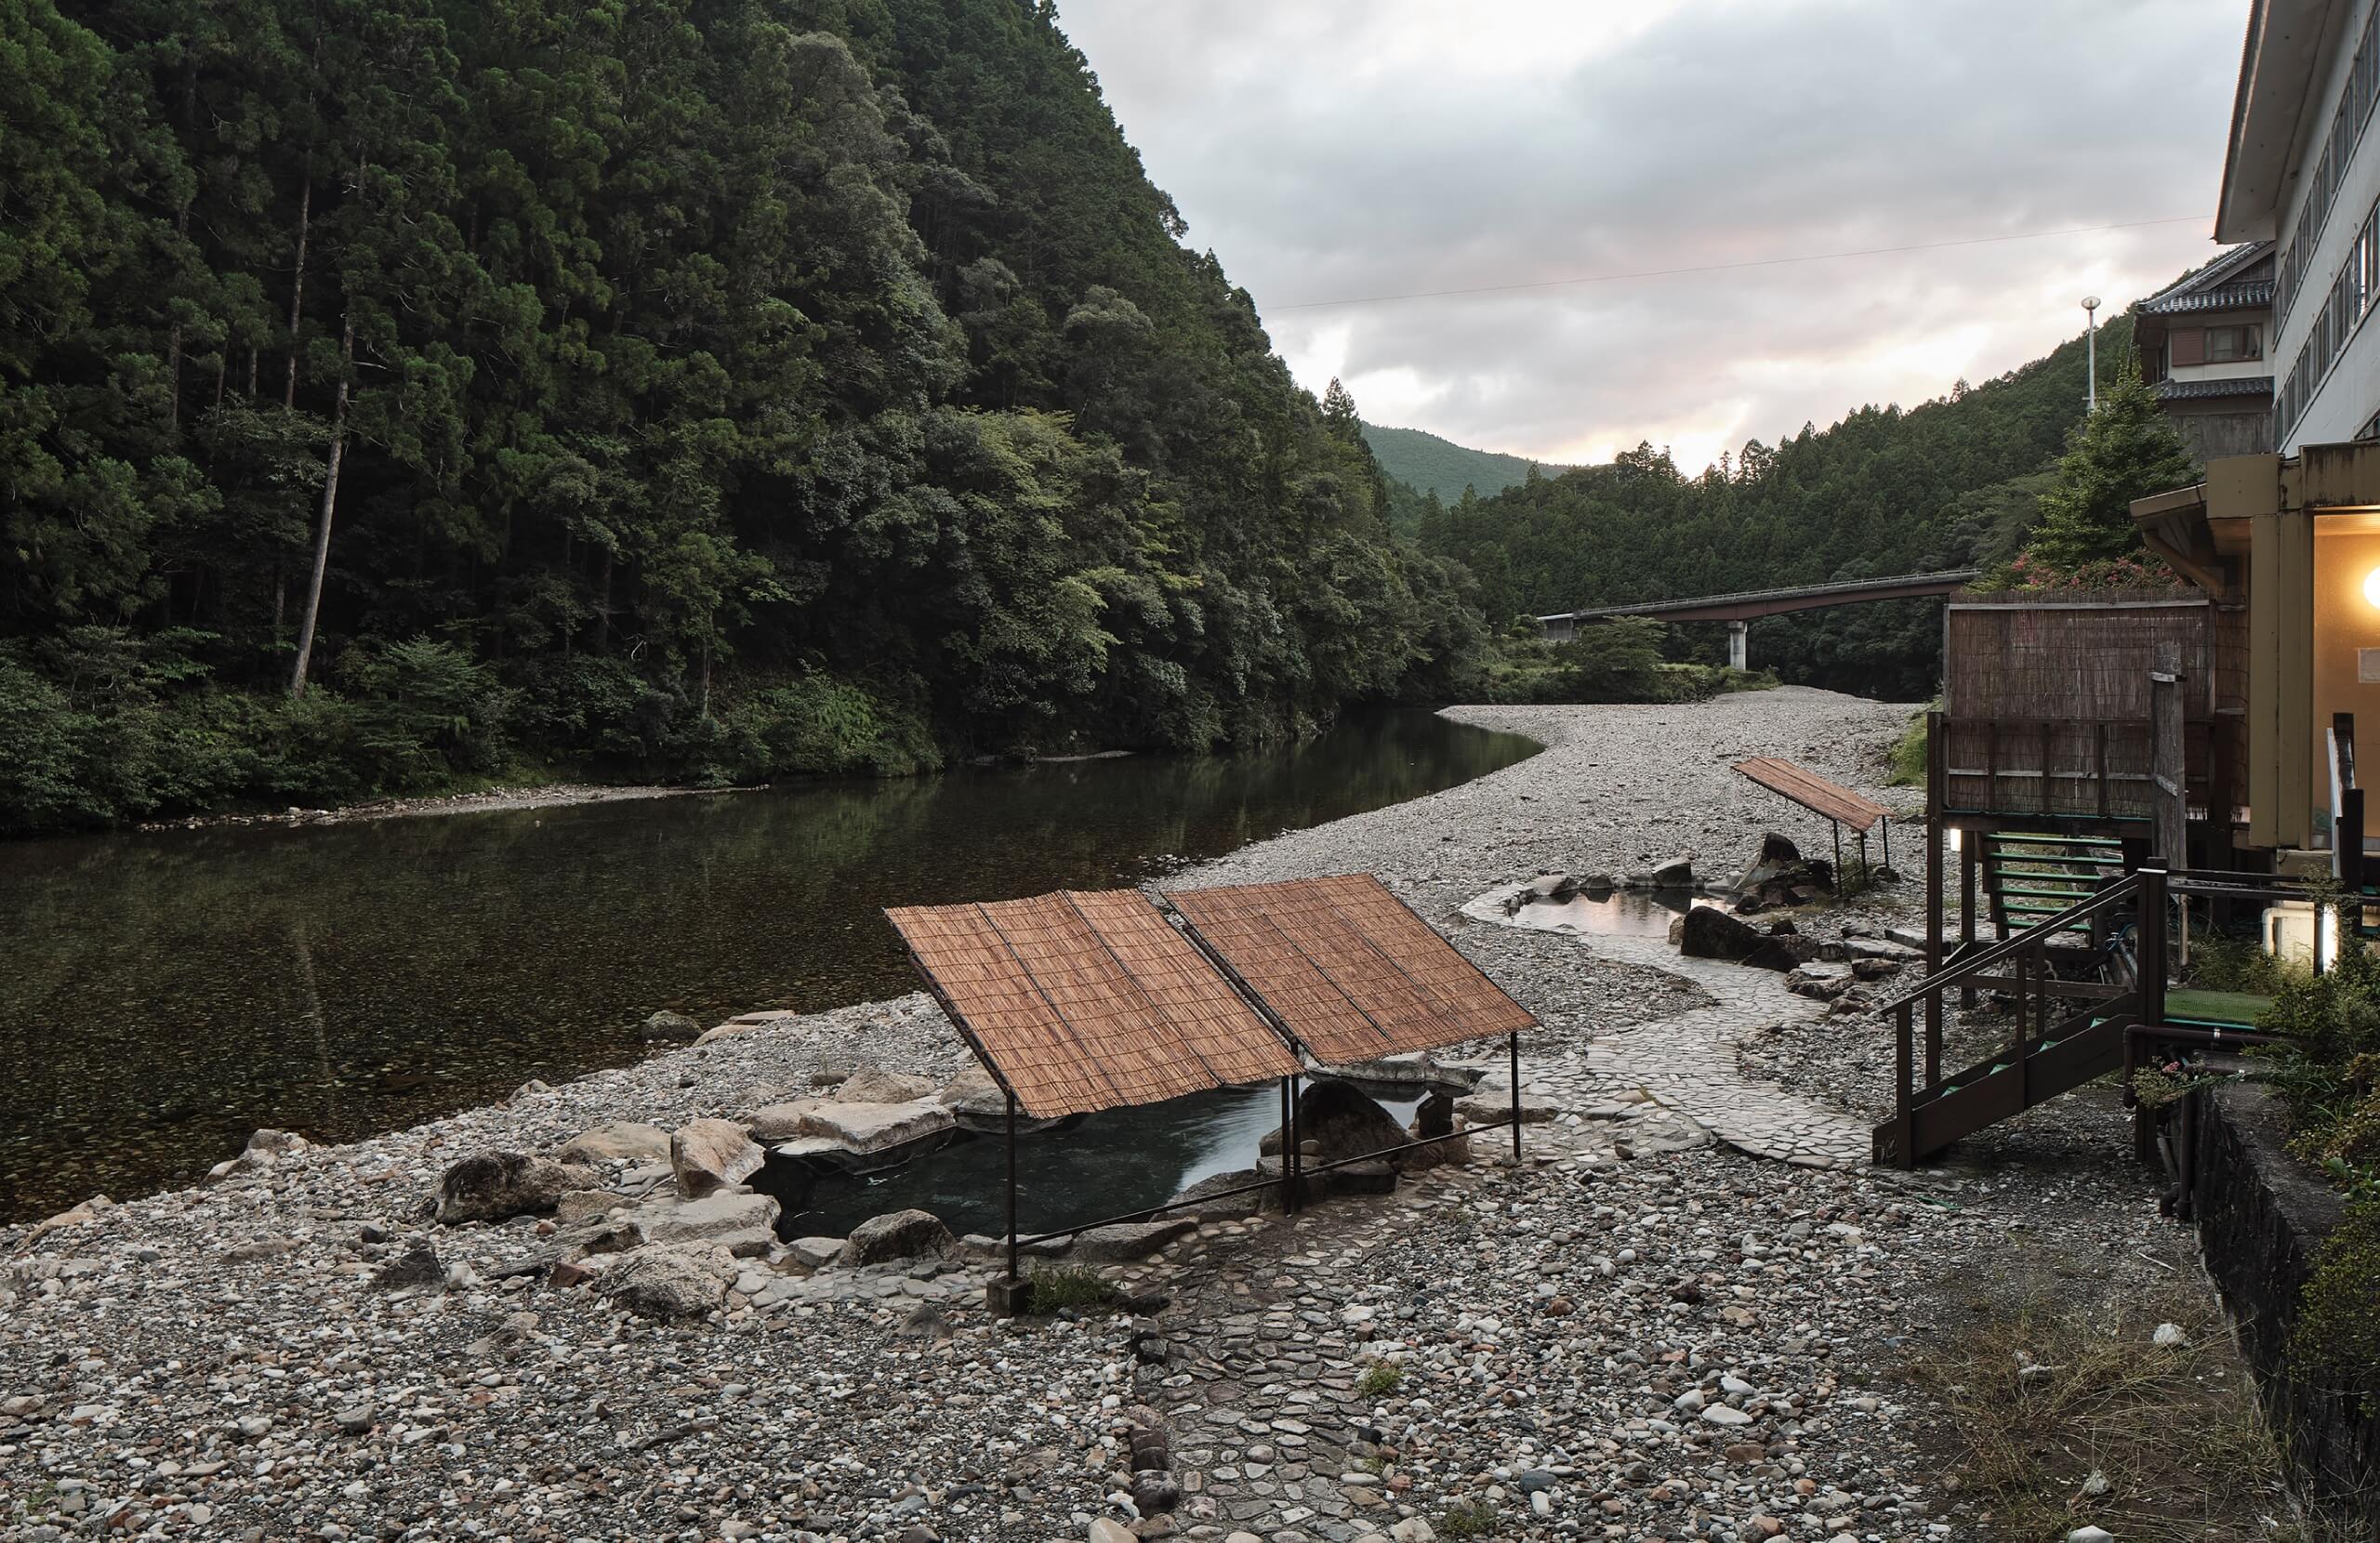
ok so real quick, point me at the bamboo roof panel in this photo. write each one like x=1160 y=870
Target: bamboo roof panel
x=1348 y=968
x=1081 y=1002
x=1814 y=793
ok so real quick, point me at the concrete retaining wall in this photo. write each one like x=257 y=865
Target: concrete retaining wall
x=2262 y=1218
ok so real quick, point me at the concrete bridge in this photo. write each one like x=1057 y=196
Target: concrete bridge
x=1740 y=609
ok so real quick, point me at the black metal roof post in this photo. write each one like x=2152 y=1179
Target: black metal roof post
x=1011 y=1294
x=1292 y=1154
x=1513 y=1045
x=1287 y=1094
x=1011 y=1186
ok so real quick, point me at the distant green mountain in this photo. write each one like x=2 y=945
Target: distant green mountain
x=1429 y=464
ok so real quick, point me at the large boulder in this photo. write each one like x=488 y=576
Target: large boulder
x=743 y=1224
x=622 y=1139
x=1781 y=876
x=1206 y=1201
x=1434 y=1117
x=1783 y=951
x=666 y=1027
x=1711 y=933
x=708 y=1156
x=1336 y=1120
x=870 y=1129
x=874 y=1085
x=495 y=1186
x=666 y=1283
x=1671 y=873
x=896 y=1235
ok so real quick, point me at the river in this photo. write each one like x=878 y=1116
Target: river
x=167 y=992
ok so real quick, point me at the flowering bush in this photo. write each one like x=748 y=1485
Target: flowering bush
x=2139 y=570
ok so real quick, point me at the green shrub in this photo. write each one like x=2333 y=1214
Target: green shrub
x=1908 y=754
x=2221 y=962
x=2336 y=1343
x=1467 y=1518
x=1074 y=1285
x=1380 y=1379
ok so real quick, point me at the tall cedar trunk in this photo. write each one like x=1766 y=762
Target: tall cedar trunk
x=297 y=294
x=604 y=611
x=322 y=527
x=174 y=345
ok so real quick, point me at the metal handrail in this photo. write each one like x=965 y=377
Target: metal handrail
x=2035 y=936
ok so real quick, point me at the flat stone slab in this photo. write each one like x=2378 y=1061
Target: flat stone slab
x=1131 y=1240
x=816 y=1252
x=743 y=1223
x=621 y=1139
x=1494 y=1102
x=779 y=1122
x=1416 y=1068
x=868 y=1129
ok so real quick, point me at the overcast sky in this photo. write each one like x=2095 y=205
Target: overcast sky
x=1334 y=149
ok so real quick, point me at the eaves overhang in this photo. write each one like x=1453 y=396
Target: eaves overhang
x=2287 y=42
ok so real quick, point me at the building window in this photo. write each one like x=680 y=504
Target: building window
x=2230 y=345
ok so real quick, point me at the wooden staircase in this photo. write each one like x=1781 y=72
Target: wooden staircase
x=2029 y=878
x=2064 y=1033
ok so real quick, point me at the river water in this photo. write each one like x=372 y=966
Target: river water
x=163 y=994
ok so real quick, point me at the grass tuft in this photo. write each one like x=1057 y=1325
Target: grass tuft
x=1380 y=1379
x=1467 y=1518
x=2068 y=1418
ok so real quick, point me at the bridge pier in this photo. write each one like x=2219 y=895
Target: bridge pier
x=1739 y=645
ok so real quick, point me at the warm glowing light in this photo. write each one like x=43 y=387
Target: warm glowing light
x=2372 y=586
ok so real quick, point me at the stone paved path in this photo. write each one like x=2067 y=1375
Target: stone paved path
x=1686 y=1062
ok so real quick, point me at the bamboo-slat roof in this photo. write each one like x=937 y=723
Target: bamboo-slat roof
x=1081 y=1002
x=1348 y=968
x=1814 y=793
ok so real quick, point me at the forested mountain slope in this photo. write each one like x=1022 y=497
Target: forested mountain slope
x=1428 y=464
x=1884 y=491
x=690 y=388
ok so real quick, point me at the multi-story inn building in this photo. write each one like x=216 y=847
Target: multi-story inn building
x=2302 y=171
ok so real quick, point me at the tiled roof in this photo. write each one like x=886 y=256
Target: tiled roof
x=2232 y=296
x=2219 y=277
x=2237 y=386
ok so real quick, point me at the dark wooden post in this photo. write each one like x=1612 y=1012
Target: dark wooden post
x=1966 y=907
x=2024 y=962
x=1937 y=784
x=2168 y=765
x=2100 y=735
x=2150 y=929
x=1904 y=1125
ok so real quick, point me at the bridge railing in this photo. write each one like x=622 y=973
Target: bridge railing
x=1849 y=588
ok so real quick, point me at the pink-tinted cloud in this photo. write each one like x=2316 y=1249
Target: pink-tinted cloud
x=1326 y=149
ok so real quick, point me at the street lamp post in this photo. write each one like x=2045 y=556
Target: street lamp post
x=2091 y=353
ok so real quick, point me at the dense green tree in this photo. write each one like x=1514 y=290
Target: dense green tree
x=2126 y=450
x=1948 y=483
x=698 y=387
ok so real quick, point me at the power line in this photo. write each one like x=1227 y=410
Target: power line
x=1731 y=266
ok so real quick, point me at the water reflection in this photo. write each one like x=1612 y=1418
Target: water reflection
x=1611 y=912
x=1107 y=1165
x=167 y=993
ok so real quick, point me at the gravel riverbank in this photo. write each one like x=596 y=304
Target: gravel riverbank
x=1637 y=1334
